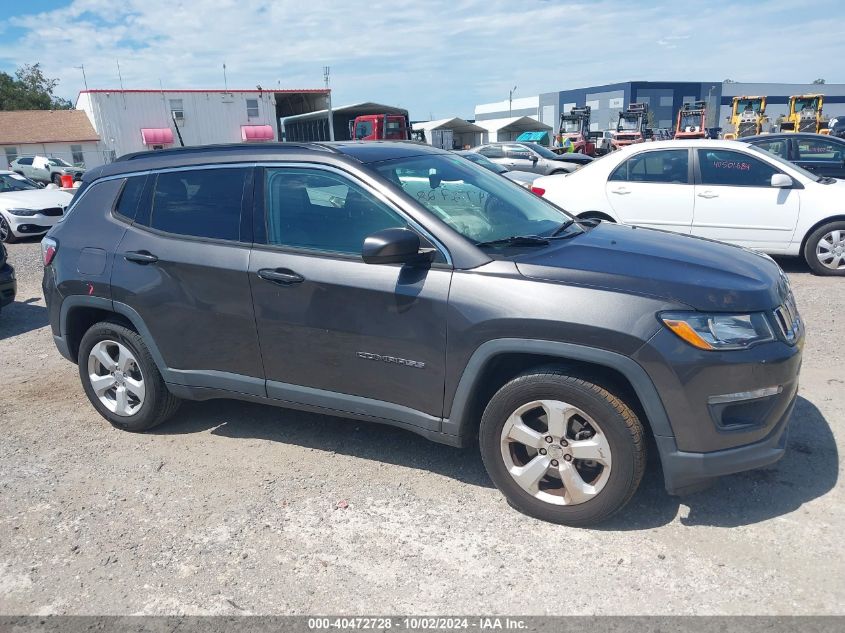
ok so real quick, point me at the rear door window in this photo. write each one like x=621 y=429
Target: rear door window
x=728 y=168
x=199 y=203
x=662 y=166
x=820 y=151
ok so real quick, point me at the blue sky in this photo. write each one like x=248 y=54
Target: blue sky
x=435 y=58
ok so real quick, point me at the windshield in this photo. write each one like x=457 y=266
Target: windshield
x=691 y=120
x=793 y=166
x=13 y=182
x=58 y=162
x=748 y=104
x=542 y=151
x=628 y=125
x=479 y=205
x=485 y=162
x=806 y=104
x=570 y=127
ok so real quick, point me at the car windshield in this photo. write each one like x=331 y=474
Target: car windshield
x=58 y=162
x=479 y=205
x=13 y=182
x=542 y=151
x=807 y=174
x=485 y=162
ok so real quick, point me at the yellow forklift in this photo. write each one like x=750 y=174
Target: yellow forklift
x=805 y=115
x=748 y=114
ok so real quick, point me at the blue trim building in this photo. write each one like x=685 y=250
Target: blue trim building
x=664 y=99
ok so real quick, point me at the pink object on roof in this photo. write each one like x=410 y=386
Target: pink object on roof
x=257 y=133
x=157 y=136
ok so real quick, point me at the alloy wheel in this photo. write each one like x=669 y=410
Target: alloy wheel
x=556 y=452
x=4 y=230
x=830 y=250
x=116 y=378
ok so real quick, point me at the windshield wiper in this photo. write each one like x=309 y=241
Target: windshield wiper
x=517 y=240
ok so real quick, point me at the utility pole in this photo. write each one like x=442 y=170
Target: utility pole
x=84 y=78
x=510 y=101
x=326 y=73
x=225 y=82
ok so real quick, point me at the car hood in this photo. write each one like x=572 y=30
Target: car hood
x=35 y=199
x=702 y=274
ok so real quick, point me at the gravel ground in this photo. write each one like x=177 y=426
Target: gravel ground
x=236 y=508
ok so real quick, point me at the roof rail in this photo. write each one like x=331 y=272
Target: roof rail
x=227 y=147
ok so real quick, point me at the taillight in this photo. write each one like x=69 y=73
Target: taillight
x=538 y=190
x=49 y=246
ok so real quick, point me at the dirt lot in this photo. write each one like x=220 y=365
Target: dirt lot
x=236 y=508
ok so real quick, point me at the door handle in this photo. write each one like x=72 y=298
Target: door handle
x=708 y=194
x=282 y=276
x=621 y=191
x=140 y=257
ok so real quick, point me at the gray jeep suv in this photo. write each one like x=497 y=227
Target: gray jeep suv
x=397 y=283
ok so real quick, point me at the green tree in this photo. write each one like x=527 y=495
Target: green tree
x=818 y=81
x=29 y=89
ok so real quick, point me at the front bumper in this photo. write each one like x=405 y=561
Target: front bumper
x=26 y=225
x=728 y=411
x=8 y=285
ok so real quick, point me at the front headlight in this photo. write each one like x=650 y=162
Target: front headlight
x=719 y=331
x=23 y=212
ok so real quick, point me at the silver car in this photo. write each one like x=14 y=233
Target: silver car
x=44 y=169
x=527 y=157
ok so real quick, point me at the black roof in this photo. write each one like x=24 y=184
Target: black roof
x=359 y=151
x=782 y=135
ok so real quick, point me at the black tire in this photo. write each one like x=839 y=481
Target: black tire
x=159 y=404
x=620 y=425
x=6 y=234
x=57 y=179
x=812 y=243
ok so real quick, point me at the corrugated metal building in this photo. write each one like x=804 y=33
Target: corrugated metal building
x=136 y=120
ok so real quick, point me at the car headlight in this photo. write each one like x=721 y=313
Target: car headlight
x=719 y=331
x=23 y=212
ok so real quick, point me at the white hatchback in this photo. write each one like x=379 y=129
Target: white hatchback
x=26 y=209
x=722 y=190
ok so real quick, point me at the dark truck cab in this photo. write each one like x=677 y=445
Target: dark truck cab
x=401 y=284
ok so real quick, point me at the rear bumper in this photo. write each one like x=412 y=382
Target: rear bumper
x=686 y=472
x=8 y=285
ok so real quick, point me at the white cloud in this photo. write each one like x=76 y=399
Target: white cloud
x=434 y=56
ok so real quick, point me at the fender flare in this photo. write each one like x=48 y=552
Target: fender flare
x=457 y=421
x=102 y=303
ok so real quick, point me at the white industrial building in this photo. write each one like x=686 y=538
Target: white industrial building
x=137 y=120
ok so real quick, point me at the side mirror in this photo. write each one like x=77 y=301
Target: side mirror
x=781 y=181
x=534 y=158
x=394 y=246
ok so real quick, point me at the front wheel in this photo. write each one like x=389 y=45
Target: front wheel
x=562 y=449
x=6 y=234
x=57 y=179
x=824 y=250
x=121 y=379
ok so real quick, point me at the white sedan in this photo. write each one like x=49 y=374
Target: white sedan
x=722 y=190
x=26 y=209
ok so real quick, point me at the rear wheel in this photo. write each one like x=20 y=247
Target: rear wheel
x=121 y=379
x=824 y=250
x=562 y=449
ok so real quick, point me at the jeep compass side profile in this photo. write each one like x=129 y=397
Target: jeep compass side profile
x=402 y=284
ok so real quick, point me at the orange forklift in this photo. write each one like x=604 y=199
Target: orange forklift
x=692 y=120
